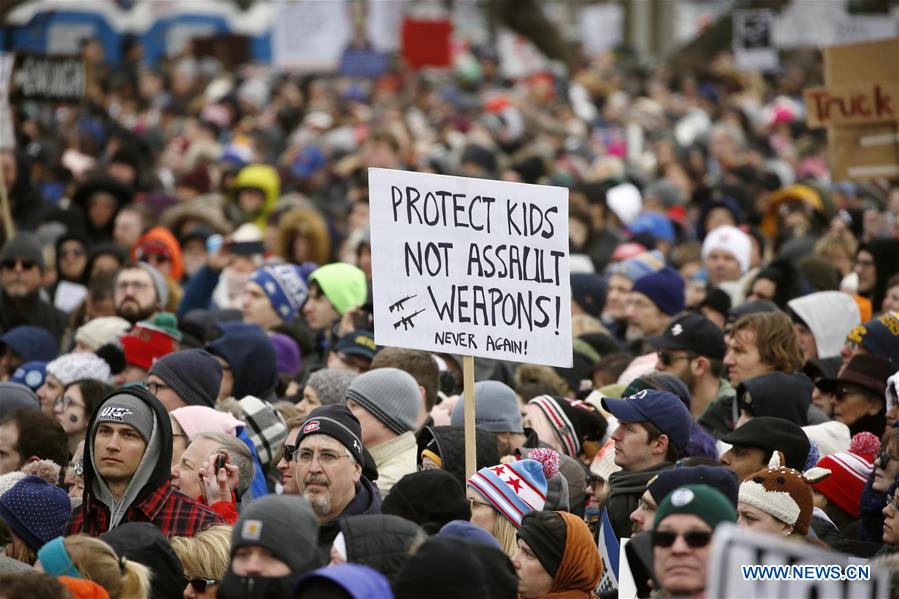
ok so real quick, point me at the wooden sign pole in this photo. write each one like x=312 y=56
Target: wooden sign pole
x=471 y=455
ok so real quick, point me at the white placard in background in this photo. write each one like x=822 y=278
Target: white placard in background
x=470 y=266
x=308 y=35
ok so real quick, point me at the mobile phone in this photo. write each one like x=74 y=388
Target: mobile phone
x=220 y=462
x=214 y=242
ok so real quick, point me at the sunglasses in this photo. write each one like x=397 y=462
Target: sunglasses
x=201 y=584
x=667 y=359
x=694 y=538
x=884 y=458
x=288 y=452
x=12 y=262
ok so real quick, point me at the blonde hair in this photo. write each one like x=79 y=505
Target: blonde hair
x=98 y=562
x=507 y=535
x=205 y=555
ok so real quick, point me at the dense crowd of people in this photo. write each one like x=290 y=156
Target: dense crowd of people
x=193 y=402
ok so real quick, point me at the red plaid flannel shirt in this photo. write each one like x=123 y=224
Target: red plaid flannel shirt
x=175 y=514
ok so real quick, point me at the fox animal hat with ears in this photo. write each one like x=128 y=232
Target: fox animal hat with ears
x=782 y=492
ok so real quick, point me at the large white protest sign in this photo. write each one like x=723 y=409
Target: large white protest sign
x=470 y=266
x=755 y=565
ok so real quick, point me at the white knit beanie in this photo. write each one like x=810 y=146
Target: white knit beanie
x=731 y=240
x=101 y=331
x=79 y=366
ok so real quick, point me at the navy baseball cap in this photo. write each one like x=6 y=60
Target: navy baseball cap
x=665 y=410
x=692 y=332
x=717 y=477
x=30 y=343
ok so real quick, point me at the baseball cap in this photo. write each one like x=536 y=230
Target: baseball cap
x=692 y=332
x=665 y=410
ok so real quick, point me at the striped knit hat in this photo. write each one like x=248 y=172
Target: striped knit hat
x=850 y=471
x=572 y=421
x=517 y=488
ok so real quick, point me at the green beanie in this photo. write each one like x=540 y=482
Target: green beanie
x=343 y=284
x=703 y=501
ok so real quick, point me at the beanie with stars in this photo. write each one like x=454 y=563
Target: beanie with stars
x=285 y=286
x=517 y=488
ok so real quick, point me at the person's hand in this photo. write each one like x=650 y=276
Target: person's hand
x=219 y=259
x=217 y=486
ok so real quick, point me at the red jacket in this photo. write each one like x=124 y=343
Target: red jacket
x=175 y=514
x=226 y=509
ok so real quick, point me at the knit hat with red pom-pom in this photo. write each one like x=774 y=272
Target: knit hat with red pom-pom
x=849 y=472
x=517 y=488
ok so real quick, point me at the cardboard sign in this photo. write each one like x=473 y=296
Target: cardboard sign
x=470 y=266
x=851 y=104
x=53 y=78
x=735 y=548
x=859 y=105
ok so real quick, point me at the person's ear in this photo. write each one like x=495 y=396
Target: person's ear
x=357 y=472
x=699 y=366
x=787 y=529
x=660 y=445
x=875 y=405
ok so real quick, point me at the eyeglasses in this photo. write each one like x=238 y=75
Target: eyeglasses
x=473 y=503
x=667 y=359
x=288 y=452
x=844 y=390
x=65 y=402
x=884 y=458
x=156 y=387
x=137 y=285
x=201 y=584
x=76 y=252
x=892 y=502
x=325 y=458
x=694 y=538
x=11 y=263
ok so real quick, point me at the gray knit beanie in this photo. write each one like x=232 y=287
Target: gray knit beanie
x=391 y=395
x=159 y=282
x=330 y=384
x=283 y=524
x=25 y=246
x=124 y=408
x=194 y=374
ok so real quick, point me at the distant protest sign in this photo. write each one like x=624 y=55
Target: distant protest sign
x=51 y=78
x=470 y=266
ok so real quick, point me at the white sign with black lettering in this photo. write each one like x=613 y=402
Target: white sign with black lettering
x=754 y=565
x=470 y=266
x=753 y=45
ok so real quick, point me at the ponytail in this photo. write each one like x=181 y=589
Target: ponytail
x=135 y=579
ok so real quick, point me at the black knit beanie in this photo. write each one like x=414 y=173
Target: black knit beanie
x=545 y=533
x=430 y=498
x=194 y=374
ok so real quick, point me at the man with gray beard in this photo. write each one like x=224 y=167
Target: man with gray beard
x=328 y=470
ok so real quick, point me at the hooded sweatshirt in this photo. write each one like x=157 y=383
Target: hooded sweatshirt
x=830 y=315
x=149 y=495
x=251 y=356
x=256 y=176
x=776 y=394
